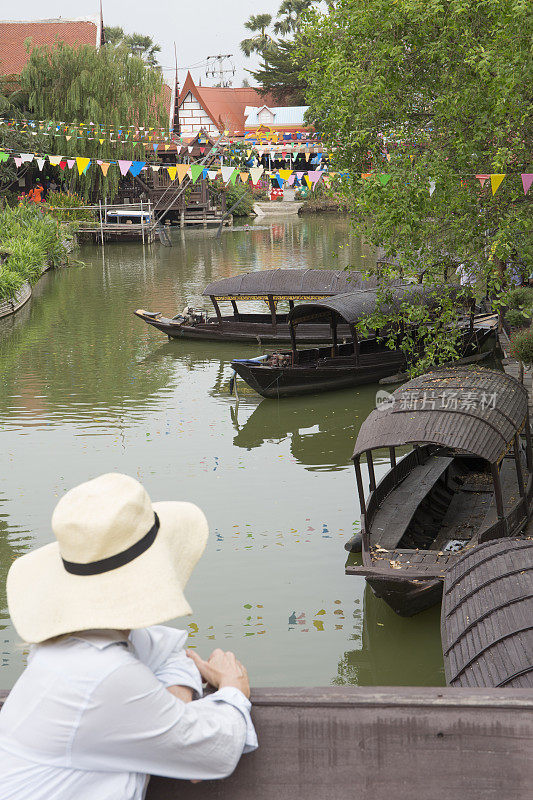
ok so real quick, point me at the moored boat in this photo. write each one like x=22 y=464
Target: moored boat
x=467 y=479
x=269 y=286
x=354 y=360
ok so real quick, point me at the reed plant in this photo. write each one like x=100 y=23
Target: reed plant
x=30 y=242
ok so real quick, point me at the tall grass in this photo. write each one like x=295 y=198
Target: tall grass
x=30 y=241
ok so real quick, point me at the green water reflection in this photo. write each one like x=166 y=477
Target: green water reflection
x=86 y=387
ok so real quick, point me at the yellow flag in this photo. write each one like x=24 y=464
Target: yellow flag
x=244 y=176
x=172 y=172
x=68 y=137
x=307 y=156
x=495 y=181
x=285 y=173
x=308 y=182
x=183 y=170
x=82 y=163
x=101 y=141
x=104 y=166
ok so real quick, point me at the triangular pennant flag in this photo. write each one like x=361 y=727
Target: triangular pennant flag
x=124 y=166
x=190 y=148
x=211 y=174
x=495 y=181
x=314 y=176
x=167 y=146
x=233 y=177
x=54 y=160
x=202 y=150
x=155 y=168
x=527 y=180
x=82 y=163
x=482 y=179
x=40 y=163
x=255 y=174
x=155 y=146
x=196 y=171
x=432 y=185
x=136 y=167
x=104 y=166
x=227 y=172
x=62 y=165
x=384 y=179
x=26 y=157
x=279 y=180
x=285 y=173
x=307 y=156
x=172 y=172
x=68 y=138
x=3 y=156
x=18 y=161
x=183 y=170
x=290 y=179
x=101 y=141
x=308 y=182
x=71 y=162
x=244 y=176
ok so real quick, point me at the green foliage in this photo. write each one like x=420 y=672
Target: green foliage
x=68 y=207
x=233 y=193
x=516 y=318
x=32 y=241
x=136 y=43
x=519 y=298
x=280 y=71
x=108 y=87
x=443 y=88
x=521 y=346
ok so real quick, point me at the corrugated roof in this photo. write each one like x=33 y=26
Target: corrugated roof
x=225 y=105
x=283 y=115
x=353 y=306
x=13 y=35
x=466 y=408
x=287 y=283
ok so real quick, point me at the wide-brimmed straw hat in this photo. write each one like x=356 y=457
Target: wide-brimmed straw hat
x=120 y=561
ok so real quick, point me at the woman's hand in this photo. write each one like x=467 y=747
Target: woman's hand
x=222 y=669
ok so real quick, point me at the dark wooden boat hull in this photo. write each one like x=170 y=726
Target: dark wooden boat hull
x=407 y=598
x=231 y=330
x=283 y=382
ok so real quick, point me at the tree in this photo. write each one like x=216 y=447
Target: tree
x=257 y=24
x=280 y=71
x=106 y=87
x=424 y=96
x=135 y=43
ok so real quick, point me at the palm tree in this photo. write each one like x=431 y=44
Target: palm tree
x=257 y=24
x=289 y=14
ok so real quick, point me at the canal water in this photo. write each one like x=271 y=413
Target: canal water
x=86 y=387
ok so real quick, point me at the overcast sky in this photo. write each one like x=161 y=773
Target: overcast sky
x=200 y=29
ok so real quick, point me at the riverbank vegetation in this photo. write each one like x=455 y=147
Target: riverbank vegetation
x=30 y=242
x=415 y=100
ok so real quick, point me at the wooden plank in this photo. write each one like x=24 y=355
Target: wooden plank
x=338 y=743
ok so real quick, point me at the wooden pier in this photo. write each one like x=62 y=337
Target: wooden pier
x=402 y=742
x=114 y=232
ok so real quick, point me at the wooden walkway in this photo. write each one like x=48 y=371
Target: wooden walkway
x=343 y=742
x=487 y=616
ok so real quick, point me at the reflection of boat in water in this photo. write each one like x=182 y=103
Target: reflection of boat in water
x=320 y=435
x=270 y=286
x=467 y=480
x=394 y=651
x=359 y=361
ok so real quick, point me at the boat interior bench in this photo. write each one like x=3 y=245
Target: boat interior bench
x=393 y=519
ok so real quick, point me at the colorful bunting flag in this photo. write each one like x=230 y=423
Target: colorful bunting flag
x=495 y=181
x=172 y=172
x=183 y=170
x=482 y=179
x=82 y=163
x=136 y=167
x=227 y=172
x=244 y=176
x=70 y=162
x=255 y=174
x=40 y=163
x=124 y=166
x=527 y=180
x=196 y=171
x=384 y=179
x=104 y=166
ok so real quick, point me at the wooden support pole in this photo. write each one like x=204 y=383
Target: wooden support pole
x=392 y=453
x=333 y=324
x=142 y=222
x=371 y=474
x=101 y=223
x=519 y=473
x=235 y=309
x=359 y=480
x=272 y=306
x=497 y=490
x=217 y=309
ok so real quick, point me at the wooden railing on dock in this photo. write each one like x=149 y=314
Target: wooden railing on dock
x=337 y=743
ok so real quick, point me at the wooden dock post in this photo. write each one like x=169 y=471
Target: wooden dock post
x=101 y=222
x=142 y=222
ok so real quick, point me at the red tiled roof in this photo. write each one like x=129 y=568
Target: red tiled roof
x=13 y=35
x=225 y=106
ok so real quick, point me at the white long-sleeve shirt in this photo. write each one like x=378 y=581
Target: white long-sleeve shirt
x=90 y=718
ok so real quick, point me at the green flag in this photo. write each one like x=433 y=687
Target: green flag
x=196 y=171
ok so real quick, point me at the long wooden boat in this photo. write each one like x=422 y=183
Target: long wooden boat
x=350 y=363
x=271 y=287
x=468 y=479
x=487 y=616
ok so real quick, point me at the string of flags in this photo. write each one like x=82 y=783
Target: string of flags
x=230 y=174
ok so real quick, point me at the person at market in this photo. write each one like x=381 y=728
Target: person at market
x=110 y=696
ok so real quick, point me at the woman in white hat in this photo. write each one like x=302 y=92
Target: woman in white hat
x=105 y=699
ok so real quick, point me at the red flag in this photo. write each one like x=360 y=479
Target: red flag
x=482 y=179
